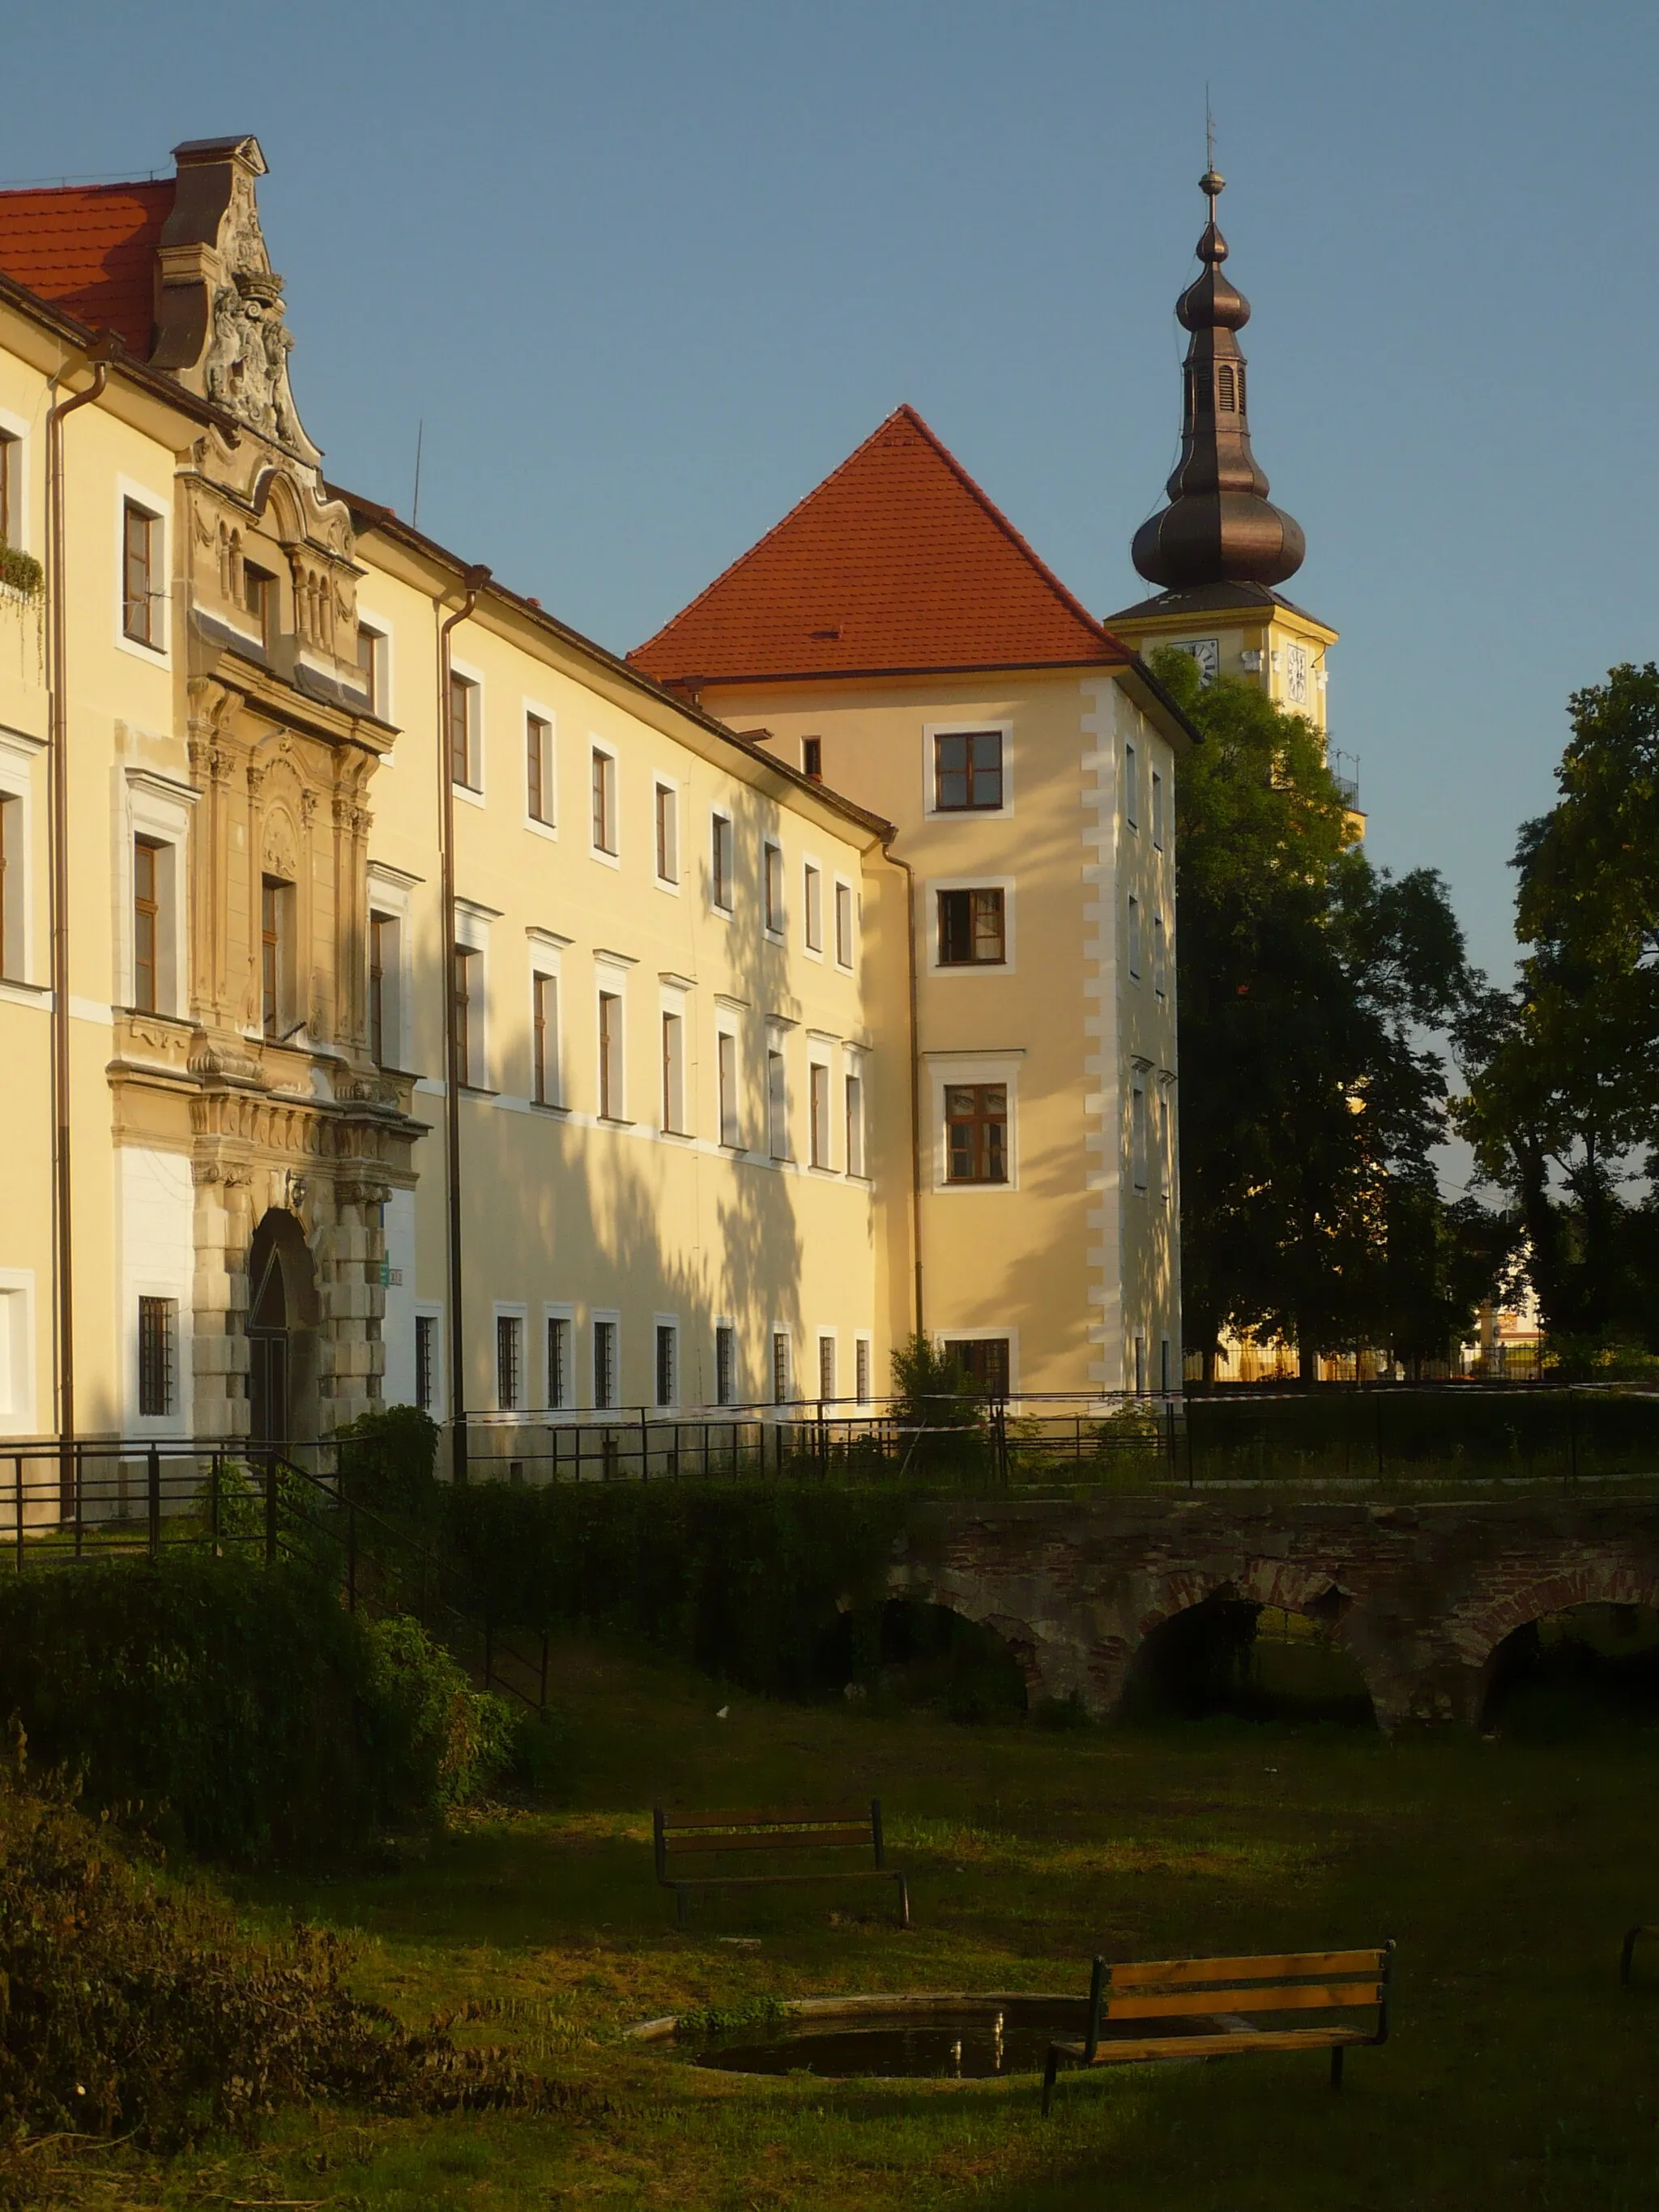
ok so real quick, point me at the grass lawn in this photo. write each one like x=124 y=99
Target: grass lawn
x=1519 y=2074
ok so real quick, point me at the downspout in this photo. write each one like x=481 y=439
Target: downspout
x=887 y=854
x=63 y=1215
x=472 y=583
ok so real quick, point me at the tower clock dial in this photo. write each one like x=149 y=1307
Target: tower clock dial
x=1296 y=675
x=1206 y=652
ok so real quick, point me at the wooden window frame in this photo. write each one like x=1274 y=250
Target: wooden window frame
x=773 y=912
x=147 y=925
x=141 y=539
x=602 y=773
x=972 y=771
x=818 y=1113
x=538 y=769
x=543 y=1038
x=811 y=906
x=969 y=920
x=674 y=1115
x=722 y=862
x=665 y=834
x=843 y=925
x=725 y=1084
x=466 y=737
x=612 y=1073
x=976 y=1134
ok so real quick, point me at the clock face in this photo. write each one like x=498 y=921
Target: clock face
x=1296 y=675
x=1206 y=652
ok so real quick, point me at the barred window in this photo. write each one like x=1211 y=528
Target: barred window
x=509 y=1362
x=604 y=1363
x=726 y=1364
x=157 y=1327
x=667 y=1363
x=558 y=1360
x=780 y=1367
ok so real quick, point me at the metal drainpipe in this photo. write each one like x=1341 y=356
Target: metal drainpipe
x=97 y=360
x=472 y=583
x=887 y=854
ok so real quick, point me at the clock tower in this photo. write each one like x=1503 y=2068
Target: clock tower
x=1220 y=548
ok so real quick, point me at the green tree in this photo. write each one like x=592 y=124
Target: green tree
x=1311 y=1103
x=1563 y=1072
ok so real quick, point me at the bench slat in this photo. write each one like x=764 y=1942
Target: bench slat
x=755 y=1880
x=1179 y=1973
x=773 y=1840
x=1299 y=1996
x=796 y=1816
x=1122 y=2049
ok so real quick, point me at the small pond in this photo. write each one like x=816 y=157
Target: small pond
x=963 y=2039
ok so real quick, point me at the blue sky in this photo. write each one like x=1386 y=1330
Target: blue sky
x=648 y=270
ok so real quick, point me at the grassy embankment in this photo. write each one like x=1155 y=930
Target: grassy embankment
x=1519 y=2076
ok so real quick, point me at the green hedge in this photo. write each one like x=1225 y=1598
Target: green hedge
x=742 y=1580
x=236 y=1707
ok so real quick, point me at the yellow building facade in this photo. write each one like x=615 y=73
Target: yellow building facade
x=403 y=999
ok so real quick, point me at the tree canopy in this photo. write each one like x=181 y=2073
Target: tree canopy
x=1312 y=1100
x=1563 y=1072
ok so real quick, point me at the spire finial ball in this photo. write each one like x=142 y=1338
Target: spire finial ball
x=1213 y=183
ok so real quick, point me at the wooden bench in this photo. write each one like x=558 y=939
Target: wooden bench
x=1231 y=1993
x=681 y=1835
x=1627 y=1955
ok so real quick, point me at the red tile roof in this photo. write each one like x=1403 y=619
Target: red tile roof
x=91 y=250
x=898 y=562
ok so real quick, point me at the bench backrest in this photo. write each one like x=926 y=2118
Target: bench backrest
x=679 y=1835
x=1288 y=1982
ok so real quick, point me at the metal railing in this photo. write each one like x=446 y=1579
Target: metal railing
x=114 y=1499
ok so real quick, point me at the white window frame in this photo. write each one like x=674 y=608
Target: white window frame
x=381 y=704
x=18 y=754
x=677 y=1395
x=821 y=1060
x=559 y=1309
x=477 y=722
x=158 y=506
x=515 y=1311
x=17 y=1414
x=932 y=887
x=728 y=1032
x=854 y=1070
x=611 y=980
x=945 y=1069
x=843 y=884
x=430 y=1309
x=158 y=808
x=542 y=825
x=674 y=790
x=727 y=1321
x=472 y=935
x=775 y=931
x=717 y=814
x=1131 y=786
x=777 y=1044
x=811 y=880
x=675 y=1005
x=962 y=728
x=781 y=1332
x=1008 y=1333
x=1159 y=800
x=864 y=1356
x=17 y=428
x=598 y=749
x=389 y=893
x=1134 y=951
x=598 y=1317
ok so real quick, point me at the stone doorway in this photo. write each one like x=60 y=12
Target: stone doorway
x=281 y=1333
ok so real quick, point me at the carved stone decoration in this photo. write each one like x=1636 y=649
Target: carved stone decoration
x=246 y=367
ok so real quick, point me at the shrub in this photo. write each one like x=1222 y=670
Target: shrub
x=134 y=2008
x=237 y=1706
x=742 y=1581
x=386 y=1460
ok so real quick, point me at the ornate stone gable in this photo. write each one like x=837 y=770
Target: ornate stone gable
x=221 y=321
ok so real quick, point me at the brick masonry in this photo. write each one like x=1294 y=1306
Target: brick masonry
x=1419 y=1595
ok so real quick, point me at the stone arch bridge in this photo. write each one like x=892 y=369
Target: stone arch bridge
x=1419 y=1595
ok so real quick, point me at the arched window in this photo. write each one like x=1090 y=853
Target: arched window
x=1226 y=398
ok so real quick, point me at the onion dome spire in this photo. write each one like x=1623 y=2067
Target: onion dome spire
x=1220 y=526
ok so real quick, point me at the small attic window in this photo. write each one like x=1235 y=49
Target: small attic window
x=1226 y=389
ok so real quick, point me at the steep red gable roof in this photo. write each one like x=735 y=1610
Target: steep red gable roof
x=90 y=249
x=898 y=562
